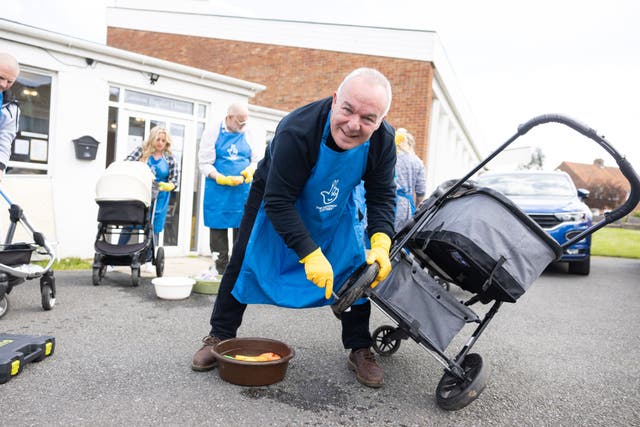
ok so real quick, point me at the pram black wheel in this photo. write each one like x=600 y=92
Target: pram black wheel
x=354 y=287
x=4 y=305
x=48 y=301
x=160 y=262
x=455 y=393
x=381 y=342
x=98 y=274
x=135 y=276
x=48 y=290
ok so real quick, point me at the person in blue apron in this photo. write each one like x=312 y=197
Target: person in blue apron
x=156 y=153
x=227 y=157
x=9 y=111
x=298 y=240
x=410 y=178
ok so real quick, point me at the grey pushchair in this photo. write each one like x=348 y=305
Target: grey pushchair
x=125 y=195
x=16 y=264
x=478 y=240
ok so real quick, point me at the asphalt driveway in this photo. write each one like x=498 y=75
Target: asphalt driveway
x=565 y=354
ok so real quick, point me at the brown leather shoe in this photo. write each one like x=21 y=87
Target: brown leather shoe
x=368 y=372
x=204 y=359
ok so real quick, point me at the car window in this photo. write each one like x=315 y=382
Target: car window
x=529 y=185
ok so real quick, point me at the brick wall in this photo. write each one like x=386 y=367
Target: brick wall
x=293 y=76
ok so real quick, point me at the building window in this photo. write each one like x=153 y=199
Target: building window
x=158 y=102
x=30 y=149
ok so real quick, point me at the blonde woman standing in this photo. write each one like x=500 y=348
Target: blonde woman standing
x=156 y=153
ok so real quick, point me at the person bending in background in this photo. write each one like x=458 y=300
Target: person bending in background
x=156 y=153
x=9 y=111
x=297 y=236
x=410 y=178
x=227 y=157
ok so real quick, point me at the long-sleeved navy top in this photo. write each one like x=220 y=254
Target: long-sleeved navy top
x=290 y=158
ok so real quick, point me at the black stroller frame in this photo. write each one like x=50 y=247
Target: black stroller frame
x=427 y=258
x=15 y=261
x=134 y=219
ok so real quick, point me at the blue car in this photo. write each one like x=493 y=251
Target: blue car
x=552 y=201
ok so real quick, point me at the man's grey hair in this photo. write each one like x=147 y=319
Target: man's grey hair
x=238 y=107
x=374 y=76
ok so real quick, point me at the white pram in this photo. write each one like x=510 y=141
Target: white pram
x=126 y=202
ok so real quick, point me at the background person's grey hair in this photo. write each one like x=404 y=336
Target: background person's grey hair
x=238 y=107
x=374 y=76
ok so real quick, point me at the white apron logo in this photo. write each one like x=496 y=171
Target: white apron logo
x=232 y=152
x=328 y=197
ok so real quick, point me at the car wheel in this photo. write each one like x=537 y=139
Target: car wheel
x=580 y=267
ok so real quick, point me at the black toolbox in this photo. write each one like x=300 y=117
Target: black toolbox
x=18 y=350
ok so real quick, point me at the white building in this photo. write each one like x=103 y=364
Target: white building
x=71 y=88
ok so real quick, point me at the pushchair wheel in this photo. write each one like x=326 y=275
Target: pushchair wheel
x=47 y=291
x=4 y=305
x=135 y=276
x=383 y=341
x=48 y=301
x=354 y=287
x=455 y=393
x=160 y=262
x=98 y=274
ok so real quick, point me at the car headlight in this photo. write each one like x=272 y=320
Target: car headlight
x=571 y=216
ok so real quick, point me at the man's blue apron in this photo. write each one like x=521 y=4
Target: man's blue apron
x=223 y=204
x=160 y=169
x=271 y=272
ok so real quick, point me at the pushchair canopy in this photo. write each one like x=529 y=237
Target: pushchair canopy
x=125 y=181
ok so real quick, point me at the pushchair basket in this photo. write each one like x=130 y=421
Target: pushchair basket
x=15 y=254
x=483 y=243
x=432 y=313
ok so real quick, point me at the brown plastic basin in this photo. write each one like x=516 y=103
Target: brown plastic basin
x=252 y=373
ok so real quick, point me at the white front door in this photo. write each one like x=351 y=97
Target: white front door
x=176 y=236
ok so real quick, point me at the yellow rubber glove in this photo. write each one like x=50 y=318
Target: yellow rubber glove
x=231 y=181
x=248 y=174
x=380 y=246
x=166 y=186
x=319 y=271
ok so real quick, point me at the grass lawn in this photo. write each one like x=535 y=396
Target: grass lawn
x=616 y=242
x=69 y=264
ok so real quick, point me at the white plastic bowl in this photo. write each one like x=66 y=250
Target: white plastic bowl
x=173 y=287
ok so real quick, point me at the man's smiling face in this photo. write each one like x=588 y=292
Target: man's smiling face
x=357 y=111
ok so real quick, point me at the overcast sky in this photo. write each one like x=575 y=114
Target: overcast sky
x=515 y=60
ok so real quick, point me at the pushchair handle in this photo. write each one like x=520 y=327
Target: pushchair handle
x=624 y=165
